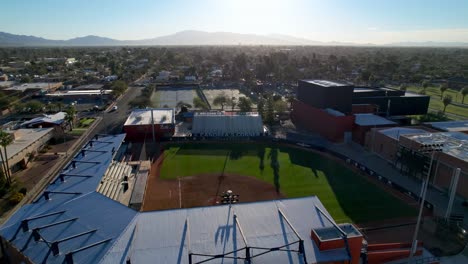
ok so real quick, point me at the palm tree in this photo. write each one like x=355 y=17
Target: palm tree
x=5 y=140
x=70 y=116
x=464 y=92
x=442 y=89
x=446 y=101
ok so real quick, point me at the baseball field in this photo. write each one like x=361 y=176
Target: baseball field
x=195 y=174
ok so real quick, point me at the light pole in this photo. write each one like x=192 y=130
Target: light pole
x=426 y=148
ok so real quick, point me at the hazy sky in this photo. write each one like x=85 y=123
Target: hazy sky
x=361 y=21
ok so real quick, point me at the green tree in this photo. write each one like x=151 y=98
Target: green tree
x=425 y=84
x=464 y=92
x=261 y=108
x=118 y=88
x=280 y=106
x=270 y=110
x=25 y=79
x=443 y=88
x=181 y=104
x=5 y=140
x=245 y=104
x=59 y=106
x=232 y=102
x=34 y=106
x=446 y=101
x=220 y=100
x=199 y=103
x=70 y=113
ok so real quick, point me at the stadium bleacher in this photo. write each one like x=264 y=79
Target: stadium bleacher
x=227 y=124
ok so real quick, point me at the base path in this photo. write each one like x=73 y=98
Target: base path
x=203 y=190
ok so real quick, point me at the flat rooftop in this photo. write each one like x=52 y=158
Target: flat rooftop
x=80 y=92
x=56 y=119
x=396 y=132
x=325 y=83
x=24 y=138
x=455 y=143
x=371 y=120
x=143 y=117
x=450 y=126
x=35 y=86
x=94 y=86
x=331 y=233
x=215 y=114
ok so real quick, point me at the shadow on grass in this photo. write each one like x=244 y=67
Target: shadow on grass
x=261 y=157
x=274 y=163
x=359 y=199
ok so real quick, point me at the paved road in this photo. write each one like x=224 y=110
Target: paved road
x=112 y=122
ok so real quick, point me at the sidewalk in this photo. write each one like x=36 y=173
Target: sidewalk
x=438 y=199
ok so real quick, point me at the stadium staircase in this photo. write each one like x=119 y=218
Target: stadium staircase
x=116 y=176
x=391 y=253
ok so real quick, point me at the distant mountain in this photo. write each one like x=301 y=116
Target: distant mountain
x=428 y=44
x=93 y=41
x=7 y=39
x=193 y=37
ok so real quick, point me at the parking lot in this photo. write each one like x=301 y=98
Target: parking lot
x=211 y=94
x=170 y=98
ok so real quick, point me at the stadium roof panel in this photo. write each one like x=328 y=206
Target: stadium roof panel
x=450 y=126
x=396 y=132
x=220 y=229
x=74 y=215
x=324 y=83
x=371 y=120
x=143 y=117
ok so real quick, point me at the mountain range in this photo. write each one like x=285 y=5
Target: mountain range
x=197 y=38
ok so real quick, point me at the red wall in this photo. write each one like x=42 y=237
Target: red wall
x=319 y=121
x=139 y=132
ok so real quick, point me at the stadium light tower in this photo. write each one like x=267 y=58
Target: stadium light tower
x=229 y=197
x=425 y=148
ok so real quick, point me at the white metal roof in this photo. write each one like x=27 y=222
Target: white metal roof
x=143 y=117
x=57 y=119
x=168 y=236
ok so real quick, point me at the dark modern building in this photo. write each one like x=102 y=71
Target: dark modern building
x=335 y=110
x=391 y=102
x=326 y=94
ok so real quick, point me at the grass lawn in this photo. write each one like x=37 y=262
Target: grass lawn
x=77 y=131
x=85 y=122
x=347 y=196
x=436 y=101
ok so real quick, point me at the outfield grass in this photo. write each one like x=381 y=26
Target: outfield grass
x=347 y=196
x=436 y=101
